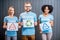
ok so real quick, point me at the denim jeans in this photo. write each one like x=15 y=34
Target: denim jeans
x=10 y=37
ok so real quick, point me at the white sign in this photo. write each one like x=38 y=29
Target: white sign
x=12 y=26
x=28 y=23
x=45 y=26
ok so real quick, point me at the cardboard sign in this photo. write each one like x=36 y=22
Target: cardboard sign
x=45 y=26
x=12 y=26
x=28 y=23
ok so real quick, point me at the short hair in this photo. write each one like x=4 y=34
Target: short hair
x=49 y=7
x=28 y=2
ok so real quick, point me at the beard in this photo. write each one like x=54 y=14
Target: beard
x=28 y=10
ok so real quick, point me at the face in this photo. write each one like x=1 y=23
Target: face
x=27 y=7
x=46 y=10
x=11 y=11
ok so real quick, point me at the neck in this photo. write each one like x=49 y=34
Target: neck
x=45 y=14
x=11 y=15
x=27 y=11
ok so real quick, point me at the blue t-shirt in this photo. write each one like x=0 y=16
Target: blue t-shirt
x=28 y=16
x=44 y=20
x=7 y=19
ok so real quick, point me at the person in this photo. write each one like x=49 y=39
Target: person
x=28 y=21
x=10 y=19
x=45 y=22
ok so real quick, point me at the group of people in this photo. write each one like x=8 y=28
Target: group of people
x=28 y=21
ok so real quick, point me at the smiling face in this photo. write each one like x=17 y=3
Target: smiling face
x=46 y=10
x=27 y=7
x=11 y=11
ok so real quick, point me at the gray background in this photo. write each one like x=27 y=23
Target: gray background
x=36 y=7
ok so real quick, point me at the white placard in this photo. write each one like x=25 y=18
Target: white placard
x=12 y=26
x=45 y=26
x=28 y=23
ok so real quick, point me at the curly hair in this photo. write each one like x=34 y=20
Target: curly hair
x=49 y=7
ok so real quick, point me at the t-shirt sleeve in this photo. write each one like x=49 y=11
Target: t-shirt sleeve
x=51 y=18
x=17 y=19
x=39 y=18
x=35 y=18
x=5 y=19
x=20 y=18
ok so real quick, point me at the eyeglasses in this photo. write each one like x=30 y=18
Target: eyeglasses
x=27 y=6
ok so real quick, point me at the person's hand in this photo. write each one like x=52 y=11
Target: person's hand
x=40 y=31
x=21 y=23
x=5 y=27
x=19 y=26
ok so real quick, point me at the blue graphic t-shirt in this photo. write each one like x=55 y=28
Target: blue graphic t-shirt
x=28 y=19
x=45 y=21
x=7 y=19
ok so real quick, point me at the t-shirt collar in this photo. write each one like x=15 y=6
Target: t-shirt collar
x=27 y=12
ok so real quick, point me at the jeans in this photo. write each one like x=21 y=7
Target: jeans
x=10 y=37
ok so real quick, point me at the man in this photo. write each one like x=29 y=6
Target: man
x=28 y=21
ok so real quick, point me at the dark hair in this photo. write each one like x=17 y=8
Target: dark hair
x=49 y=7
x=11 y=7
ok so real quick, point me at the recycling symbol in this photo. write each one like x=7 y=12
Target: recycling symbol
x=45 y=26
x=28 y=23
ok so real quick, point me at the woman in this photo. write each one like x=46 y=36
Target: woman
x=10 y=19
x=46 y=22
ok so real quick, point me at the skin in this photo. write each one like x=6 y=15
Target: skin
x=46 y=13
x=27 y=8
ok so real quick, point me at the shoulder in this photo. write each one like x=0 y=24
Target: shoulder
x=23 y=13
x=41 y=15
x=32 y=13
x=50 y=15
x=6 y=17
x=16 y=17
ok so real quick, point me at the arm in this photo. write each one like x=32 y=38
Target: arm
x=20 y=21
x=35 y=20
x=35 y=23
x=52 y=23
x=20 y=24
x=4 y=25
x=39 y=21
x=39 y=26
